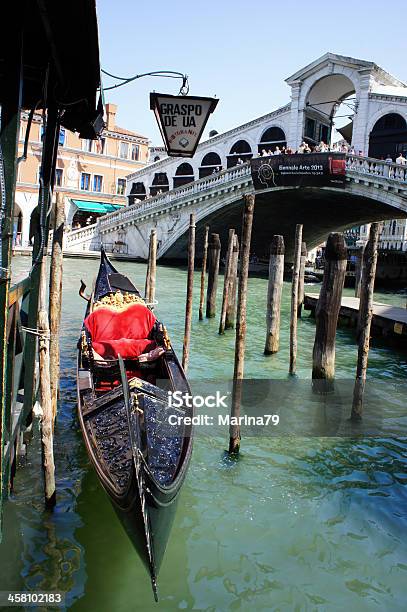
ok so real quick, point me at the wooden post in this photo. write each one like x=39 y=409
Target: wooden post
x=152 y=268
x=55 y=298
x=234 y=430
x=294 y=298
x=231 y=305
x=275 y=289
x=47 y=419
x=303 y=261
x=203 y=272
x=365 y=313
x=190 y=287
x=358 y=270
x=12 y=69
x=328 y=306
x=213 y=273
x=227 y=281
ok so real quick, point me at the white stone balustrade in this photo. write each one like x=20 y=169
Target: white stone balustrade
x=164 y=200
x=376 y=167
x=357 y=170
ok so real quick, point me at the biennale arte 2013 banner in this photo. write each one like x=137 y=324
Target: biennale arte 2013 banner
x=299 y=170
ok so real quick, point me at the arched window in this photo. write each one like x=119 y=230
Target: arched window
x=271 y=138
x=240 y=150
x=159 y=184
x=137 y=192
x=388 y=137
x=210 y=163
x=184 y=174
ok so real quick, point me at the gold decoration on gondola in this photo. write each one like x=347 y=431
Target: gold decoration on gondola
x=84 y=343
x=167 y=341
x=118 y=301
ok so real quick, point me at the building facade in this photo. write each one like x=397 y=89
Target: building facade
x=91 y=174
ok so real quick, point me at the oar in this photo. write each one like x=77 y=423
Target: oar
x=135 y=441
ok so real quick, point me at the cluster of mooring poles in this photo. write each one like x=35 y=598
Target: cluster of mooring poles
x=234 y=309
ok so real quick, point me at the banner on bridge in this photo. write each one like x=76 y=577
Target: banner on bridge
x=299 y=170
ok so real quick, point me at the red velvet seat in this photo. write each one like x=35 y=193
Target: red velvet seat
x=121 y=332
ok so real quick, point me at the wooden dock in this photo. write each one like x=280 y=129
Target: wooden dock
x=387 y=320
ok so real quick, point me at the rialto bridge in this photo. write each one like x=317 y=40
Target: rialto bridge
x=212 y=184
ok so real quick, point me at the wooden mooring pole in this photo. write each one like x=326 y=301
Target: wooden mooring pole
x=190 y=287
x=55 y=297
x=203 y=273
x=358 y=270
x=228 y=281
x=234 y=430
x=301 y=278
x=365 y=314
x=274 y=293
x=151 y=268
x=294 y=298
x=213 y=273
x=47 y=418
x=231 y=305
x=328 y=306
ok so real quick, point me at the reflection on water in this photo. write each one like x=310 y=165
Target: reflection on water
x=298 y=523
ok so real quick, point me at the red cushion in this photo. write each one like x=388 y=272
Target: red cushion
x=125 y=333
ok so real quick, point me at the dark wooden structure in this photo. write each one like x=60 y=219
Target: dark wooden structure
x=40 y=71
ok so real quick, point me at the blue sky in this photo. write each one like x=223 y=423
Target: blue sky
x=239 y=51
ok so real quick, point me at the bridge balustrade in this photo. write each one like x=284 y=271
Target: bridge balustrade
x=355 y=166
x=377 y=167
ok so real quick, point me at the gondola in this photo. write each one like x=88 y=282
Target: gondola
x=127 y=370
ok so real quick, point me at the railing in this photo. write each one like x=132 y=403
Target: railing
x=20 y=368
x=376 y=167
x=83 y=234
x=158 y=202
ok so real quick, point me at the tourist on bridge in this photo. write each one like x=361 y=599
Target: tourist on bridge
x=401 y=160
x=264 y=153
x=277 y=151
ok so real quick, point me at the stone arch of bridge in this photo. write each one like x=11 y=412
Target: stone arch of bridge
x=241 y=149
x=321 y=95
x=210 y=162
x=271 y=137
x=390 y=139
x=321 y=210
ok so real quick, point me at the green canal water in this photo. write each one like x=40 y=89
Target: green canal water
x=298 y=523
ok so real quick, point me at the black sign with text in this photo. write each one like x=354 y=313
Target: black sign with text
x=299 y=170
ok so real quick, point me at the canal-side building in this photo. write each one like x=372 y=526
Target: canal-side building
x=91 y=174
x=393 y=235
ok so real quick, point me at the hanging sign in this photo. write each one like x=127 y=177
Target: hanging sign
x=299 y=170
x=181 y=120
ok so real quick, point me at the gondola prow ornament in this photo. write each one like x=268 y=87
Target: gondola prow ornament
x=181 y=120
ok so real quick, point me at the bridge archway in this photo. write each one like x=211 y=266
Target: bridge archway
x=320 y=210
x=184 y=174
x=241 y=149
x=160 y=183
x=137 y=192
x=388 y=136
x=322 y=101
x=271 y=138
x=210 y=162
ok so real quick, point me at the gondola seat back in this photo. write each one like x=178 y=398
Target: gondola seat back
x=127 y=332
